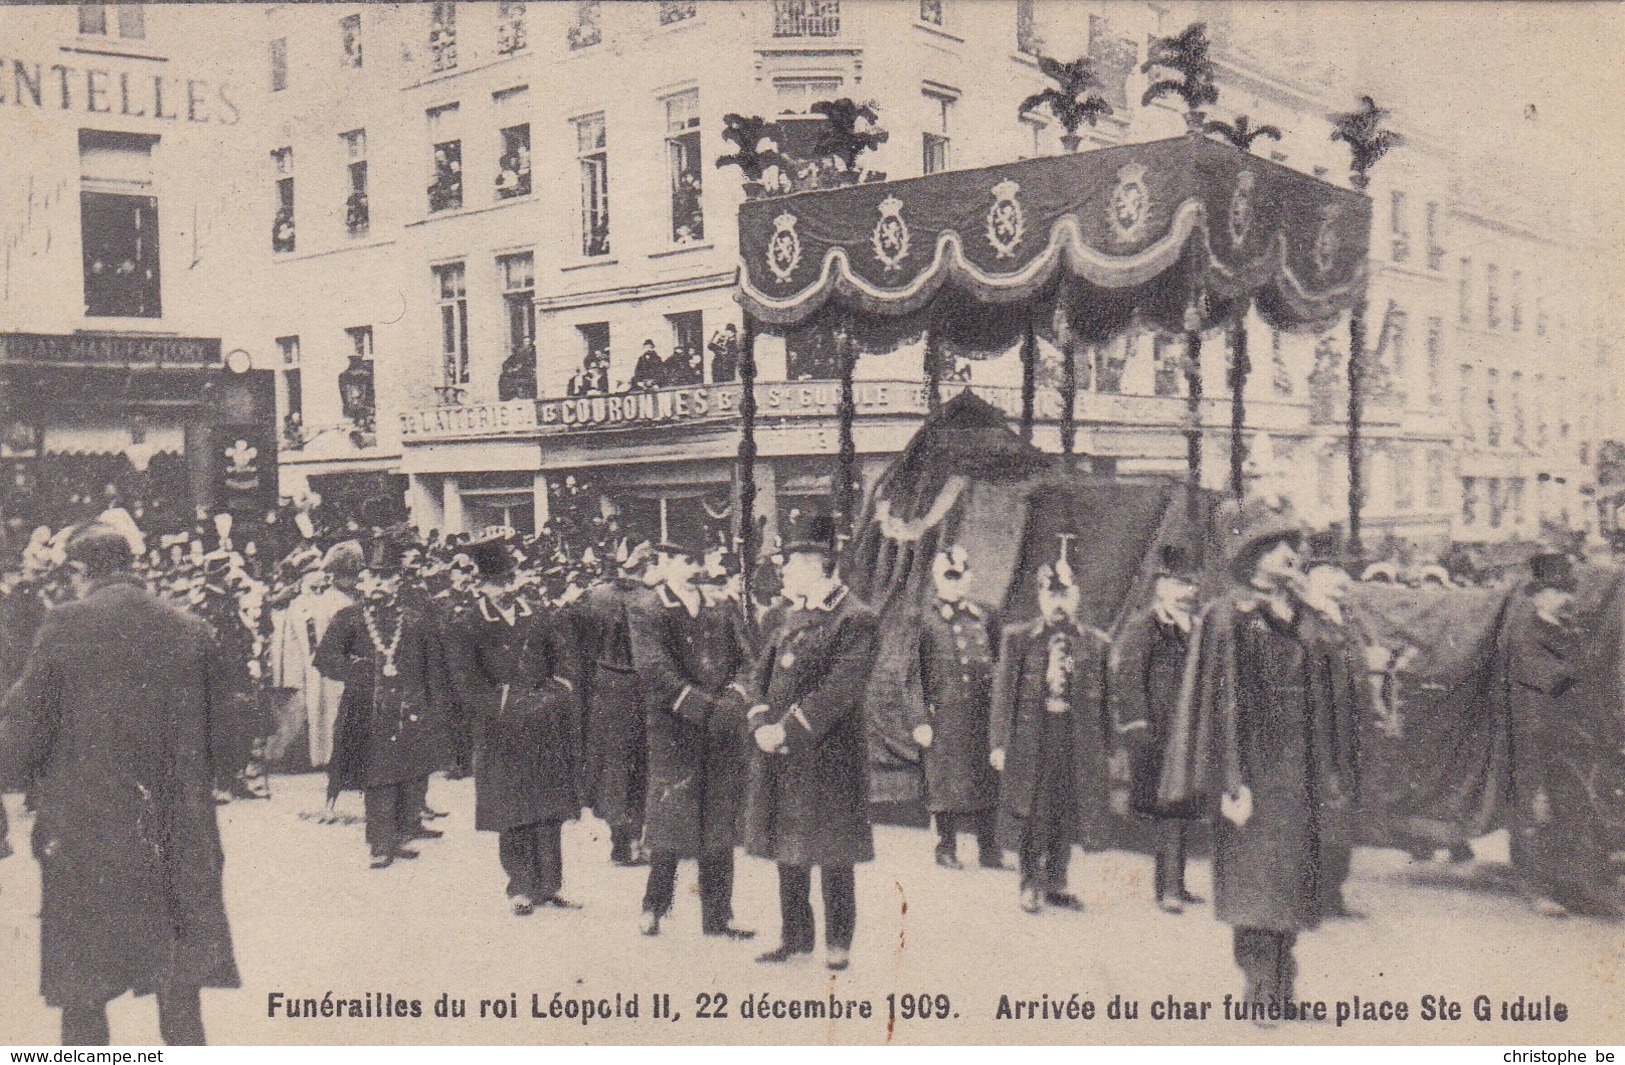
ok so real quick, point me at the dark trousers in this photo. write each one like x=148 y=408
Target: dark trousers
x=180 y=1021
x=621 y=839
x=795 y=906
x=1170 y=867
x=1266 y=962
x=949 y=825
x=394 y=814
x=1046 y=833
x=716 y=887
x=533 y=857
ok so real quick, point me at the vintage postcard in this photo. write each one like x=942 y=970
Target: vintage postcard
x=833 y=522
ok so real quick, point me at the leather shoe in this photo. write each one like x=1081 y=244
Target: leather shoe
x=1171 y=904
x=1030 y=900
x=781 y=953
x=948 y=860
x=405 y=853
x=1189 y=899
x=837 y=958
x=1064 y=900
x=425 y=832
x=559 y=902
x=433 y=814
x=730 y=932
x=990 y=861
x=522 y=906
x=381 y=861
x=649 y=923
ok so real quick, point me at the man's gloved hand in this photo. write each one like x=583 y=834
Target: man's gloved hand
x=1237 y=806
x=770 y=738
x=995 y=758
x=923 y=735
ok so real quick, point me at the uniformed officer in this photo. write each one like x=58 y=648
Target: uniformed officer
x=958 y=644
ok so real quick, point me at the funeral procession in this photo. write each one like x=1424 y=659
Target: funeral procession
x=810 y=521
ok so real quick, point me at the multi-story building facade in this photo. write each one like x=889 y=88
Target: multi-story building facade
x=123 y=281
x=470 y=205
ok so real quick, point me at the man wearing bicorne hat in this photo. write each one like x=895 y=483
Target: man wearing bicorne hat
x=1559 y=856
x=808 y=803
x=1257 y=735
x=514 y=671
x=1147 y=668
x=615 y=776
x=389 y=735
x=689 y=662
x=959 y=642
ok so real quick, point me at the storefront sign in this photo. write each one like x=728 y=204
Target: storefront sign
x=102 y=91
x=109 y=350
x=484 y=419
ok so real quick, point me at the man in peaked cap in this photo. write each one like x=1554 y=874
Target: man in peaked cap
x=690 y=662
x=1558 y=855
x=808 y=797
x=1146 y=672
x=1249 y=739
x=959 y=643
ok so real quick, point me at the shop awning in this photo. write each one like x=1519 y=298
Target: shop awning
x=1135 y=236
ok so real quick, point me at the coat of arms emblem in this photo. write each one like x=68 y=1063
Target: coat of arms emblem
x=784 y=247
x=1006 y=221
x=1241 y=207
x=1130 y=203
x=1328 y=241
x=890 y=238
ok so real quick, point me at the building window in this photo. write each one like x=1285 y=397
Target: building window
x=511 y=33
x=797 y=95
x=350 y=40
x=586 y=30
x=131 y=20
x=1518 y=428
x=1435 y=480
x=1435 y=362
x=358 y=398
x=1515 y=499
x=1028 y=42
x=1517 y=300
x=1492 y=296
x=518 y=377
x=118 y=218
x=1435 y=252
x=443 y=36
x=1399 y=226
x=282 y=223
x=513 y=160
x=293 y=393
x=1398 y=338
x=1540 y=315
x=1464 y=405
x=1497 y=501
x=677 y=11
x=1492 y=427
x=593 y=160
x=687 y=365
x=1167 y=359
x=685 y=167
x=93 y=20
x=936 y=141
x=446 y=188
x=806 y=18
x=357 y=212
x=453 y=330
x=1464 y=293
x=1469 y=500
x=1115 y=56
x=279 y=64
x=1326 y=479
x=1404 y=480
x=931 y=12
x=1542 y=424
x=593 y=376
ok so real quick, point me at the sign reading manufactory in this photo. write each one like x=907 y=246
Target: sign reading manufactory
x=109 y=350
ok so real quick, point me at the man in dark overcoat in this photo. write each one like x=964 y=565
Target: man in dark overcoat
x=1559 y=854
x=1257 y=737
x=808 y=797
x=1147 y=668
x=111 y=722
x=690 y=662
x=959 y=640
x=617 y=755
x=390 y=734
x=1048 y=738
x=511 y=666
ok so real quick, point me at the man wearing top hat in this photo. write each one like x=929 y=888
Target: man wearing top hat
x=689 y=660
x=389 y=735
x=1257 y=734
x=615 y=776
x=959 y=640
x=808 y=798
x=1147 y=668
x=1048 y=737
x=1559 y=856
x=511 y=665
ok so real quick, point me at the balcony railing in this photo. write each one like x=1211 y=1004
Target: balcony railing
x=806 y=18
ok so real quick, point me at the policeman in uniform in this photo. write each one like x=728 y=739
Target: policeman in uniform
x=958 y=642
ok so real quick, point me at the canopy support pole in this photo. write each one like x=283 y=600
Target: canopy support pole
x=1240 y=368
x=1193 y=424
x=1069 y=394
x=1356 y=417
x=1029 y=382
x=746 y=472
x=847 y=456
x=933 y=371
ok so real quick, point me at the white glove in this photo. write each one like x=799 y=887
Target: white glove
x=770 y=738
x=922 y=735
x=1237 y=806
x=995 y=758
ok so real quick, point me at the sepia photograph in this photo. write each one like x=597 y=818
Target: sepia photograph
x=812 y=522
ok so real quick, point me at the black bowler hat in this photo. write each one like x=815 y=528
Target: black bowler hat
x=389 y=549
x=1175 y=562
x=686 y=531
x=811 y=531
x=1552 y=569
x=490 y=554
